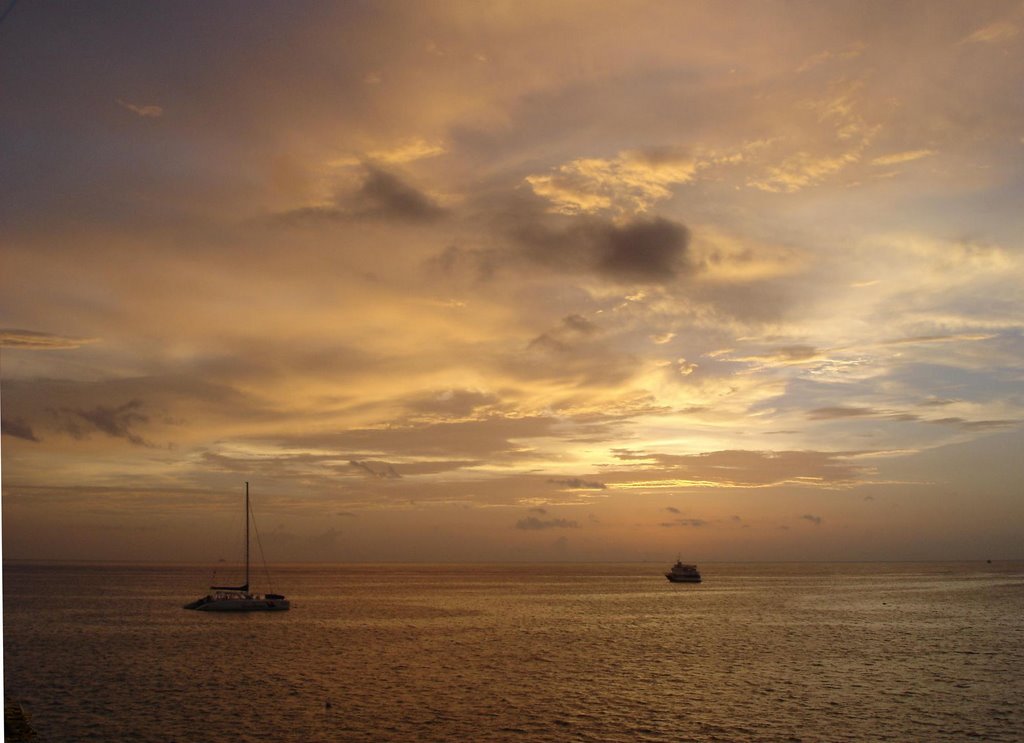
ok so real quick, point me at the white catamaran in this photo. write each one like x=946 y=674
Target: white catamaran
x=238 y=598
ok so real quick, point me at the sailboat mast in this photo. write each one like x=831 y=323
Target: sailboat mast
x=246 y=535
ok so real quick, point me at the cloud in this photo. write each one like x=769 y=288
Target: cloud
x=735 y=469
x=629 y=183
x=479 y=264
x=802 y=170
x=452 y=403
x=117 y=422
x=410 y=151
x=576 y=483
x=35 y=340
x=946 y=338
x=381 y=196
x=992 y=33
x=18 y=428
x=643 y=251
x=572 y=329
x=795 y=354
x=491 y=438
x=840 y=411
x=146 y=112
x=981 y=425
x=378 y=470
x=693 y=523
x=385 y=196
x=816 y=520
x=532 y=523
x=520 y=237
x=672 y=509
x=902 y=157
x=843 y=412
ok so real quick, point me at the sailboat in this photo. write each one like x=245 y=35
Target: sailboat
x=238 y=598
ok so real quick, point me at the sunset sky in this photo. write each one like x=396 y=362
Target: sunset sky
x=513 y=280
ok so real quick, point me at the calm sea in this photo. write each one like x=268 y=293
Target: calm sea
x=789 y=652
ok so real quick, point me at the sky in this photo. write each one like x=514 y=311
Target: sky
x=513 y=281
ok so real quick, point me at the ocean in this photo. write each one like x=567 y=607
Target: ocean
x=564 y=652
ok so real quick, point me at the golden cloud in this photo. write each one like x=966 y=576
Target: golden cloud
x=902 y=157
x=629 y=183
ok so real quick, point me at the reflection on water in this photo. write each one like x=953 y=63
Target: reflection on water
x=839 y=652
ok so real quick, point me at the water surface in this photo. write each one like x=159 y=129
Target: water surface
x=809 y=652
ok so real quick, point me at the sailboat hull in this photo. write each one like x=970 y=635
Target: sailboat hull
x=253 y=603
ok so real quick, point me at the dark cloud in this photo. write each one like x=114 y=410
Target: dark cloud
x=816 y=520
x=477 y=264
x=379 y=470
x=672 y=509
x=384 y=196
x=18 y=428
x=381 y=196
x=570 y=330
x=79 y=407
x=117 y=422
x=533 y=523
x=694 y=523
x=578 y=324
x=651 y=251
x=840 y=412
x=577 y=484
